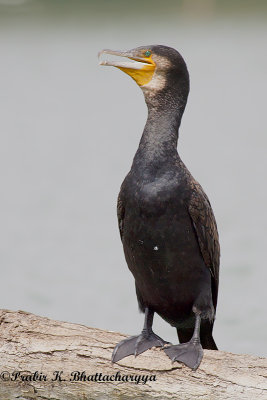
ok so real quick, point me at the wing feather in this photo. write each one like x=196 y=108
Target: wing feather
x=207 y=234
x=120 y=213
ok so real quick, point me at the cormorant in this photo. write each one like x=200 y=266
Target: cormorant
x=166 y=222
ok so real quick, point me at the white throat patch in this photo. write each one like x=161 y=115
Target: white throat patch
x=158 y=80
x=156 y=84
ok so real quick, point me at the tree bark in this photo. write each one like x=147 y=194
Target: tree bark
x=33 y=348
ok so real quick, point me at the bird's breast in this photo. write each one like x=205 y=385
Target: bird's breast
x=156 y=214
x=154 y=196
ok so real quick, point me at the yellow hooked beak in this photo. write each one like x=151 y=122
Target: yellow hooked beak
x=141 y=68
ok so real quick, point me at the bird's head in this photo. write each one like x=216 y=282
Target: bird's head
x=160 y=71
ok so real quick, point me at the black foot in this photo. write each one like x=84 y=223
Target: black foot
x=190 y=353
x=135 y=345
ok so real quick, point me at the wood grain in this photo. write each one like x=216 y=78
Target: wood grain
x=29 y=343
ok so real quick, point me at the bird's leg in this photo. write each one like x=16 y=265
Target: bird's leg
x=149 y=316
x=136 y=345
x=189 y=353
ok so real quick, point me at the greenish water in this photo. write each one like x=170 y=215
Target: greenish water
x=69 y=130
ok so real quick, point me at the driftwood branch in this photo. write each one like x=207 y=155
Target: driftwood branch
x=34 y=350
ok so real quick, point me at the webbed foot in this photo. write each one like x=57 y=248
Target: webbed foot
x=189 y=353
x=136 y=345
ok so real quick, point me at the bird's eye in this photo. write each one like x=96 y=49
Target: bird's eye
x=148 y=53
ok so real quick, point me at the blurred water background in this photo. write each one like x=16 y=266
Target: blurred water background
x=69 y=130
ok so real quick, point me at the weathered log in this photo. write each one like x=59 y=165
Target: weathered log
x=33 y=348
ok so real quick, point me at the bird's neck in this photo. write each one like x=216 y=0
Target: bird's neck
x=160 y=136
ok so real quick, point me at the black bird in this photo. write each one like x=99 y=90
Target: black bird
x=166 y=222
